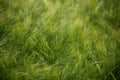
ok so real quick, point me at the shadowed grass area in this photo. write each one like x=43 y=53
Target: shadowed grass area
x=59 y=40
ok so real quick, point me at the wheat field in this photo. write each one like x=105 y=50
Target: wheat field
x=59 y=40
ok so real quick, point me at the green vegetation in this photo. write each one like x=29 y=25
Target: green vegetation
x=59 y=39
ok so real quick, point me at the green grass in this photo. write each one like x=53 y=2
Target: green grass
x=59 y=40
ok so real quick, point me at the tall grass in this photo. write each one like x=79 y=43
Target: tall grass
x=59 y=40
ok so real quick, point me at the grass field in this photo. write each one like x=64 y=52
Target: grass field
x=59 y=40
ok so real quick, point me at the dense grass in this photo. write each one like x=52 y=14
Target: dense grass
x=59 y=39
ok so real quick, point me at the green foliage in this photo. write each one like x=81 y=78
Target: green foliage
x=59 y=40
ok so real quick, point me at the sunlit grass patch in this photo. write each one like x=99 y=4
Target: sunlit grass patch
x=59 y=40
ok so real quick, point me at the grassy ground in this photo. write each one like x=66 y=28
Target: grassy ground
x=59 y=40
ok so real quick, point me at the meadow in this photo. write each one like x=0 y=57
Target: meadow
x=59 y=40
